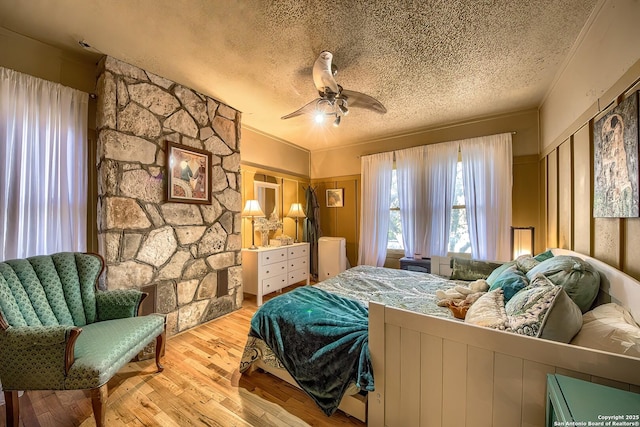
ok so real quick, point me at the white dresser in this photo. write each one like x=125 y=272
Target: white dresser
x=269 y=269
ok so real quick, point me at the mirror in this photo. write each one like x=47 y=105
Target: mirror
x=268 y=195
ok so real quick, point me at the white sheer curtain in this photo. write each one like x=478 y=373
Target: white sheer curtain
x=376 y=172
x=440 y=170
x=487 y=174
x=414 y=211
x=43 y=166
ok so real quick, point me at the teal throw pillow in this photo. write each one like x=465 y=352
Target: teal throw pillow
x=577 y=277
x=544 y=256
x=498 y=271
x=511 y=281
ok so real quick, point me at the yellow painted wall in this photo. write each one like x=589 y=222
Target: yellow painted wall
x=41 y=60
x=343 y=221
x=590 y=78
x=604 y=67
x=345 y=161
x=292 y=190
x=263 y=151
x=344 y=164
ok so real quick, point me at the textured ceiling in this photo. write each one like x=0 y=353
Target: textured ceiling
x=430 y=62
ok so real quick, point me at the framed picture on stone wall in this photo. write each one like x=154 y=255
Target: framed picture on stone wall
x=189 y=174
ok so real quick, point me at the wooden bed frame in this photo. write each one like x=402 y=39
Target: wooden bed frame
x=432 y=371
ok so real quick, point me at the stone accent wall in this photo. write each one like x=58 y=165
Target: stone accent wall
x=176 y=247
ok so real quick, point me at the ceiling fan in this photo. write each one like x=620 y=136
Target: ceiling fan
x=334 y=101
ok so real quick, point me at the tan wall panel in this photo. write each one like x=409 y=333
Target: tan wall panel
x=582 y=159
x=606 y=235
x=631 y=263
x=607 y=48
x=565 y=196
x=541 y=236
x=291 y=191
x=41 y=60
x=552 y=199
x=347 y=217
x=345 y=160
x=341 y=222
x=263 y=151
x=291 y=194
x=525 y=194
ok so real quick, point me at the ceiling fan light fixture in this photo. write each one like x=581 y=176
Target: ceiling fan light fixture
x=319 y=117
x=336 y=122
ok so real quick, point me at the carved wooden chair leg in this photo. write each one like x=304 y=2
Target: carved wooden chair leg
x=160 y=340
x=12 y=408
x=99 y=403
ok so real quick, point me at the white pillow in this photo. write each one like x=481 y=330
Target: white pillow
x=488 y=311
x=609 y=327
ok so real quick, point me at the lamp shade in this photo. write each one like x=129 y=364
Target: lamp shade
x=252 y=208
x=296 y=211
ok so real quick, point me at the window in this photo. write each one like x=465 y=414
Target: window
x=458 y=230
x=43 y=196
x=459 y=241
x=394 y=240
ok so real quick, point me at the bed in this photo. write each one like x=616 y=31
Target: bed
x=431 y=369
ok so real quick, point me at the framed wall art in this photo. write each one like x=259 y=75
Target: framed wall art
x=335 y=198
x=615 y=162
x=189 y=174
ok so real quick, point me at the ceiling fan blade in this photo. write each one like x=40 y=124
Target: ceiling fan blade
x=361 y=100
x=309 y=108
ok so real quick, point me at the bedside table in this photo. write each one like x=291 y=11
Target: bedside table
x=570 y=401
x=422 y=265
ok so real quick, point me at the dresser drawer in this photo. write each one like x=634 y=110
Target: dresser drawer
x=274 y=283
x=296 y=263
x=299 y=275
x=276 y=255
x=298 y=251
x=274 y=269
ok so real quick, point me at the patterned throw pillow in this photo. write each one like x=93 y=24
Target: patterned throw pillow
x=526 y=263
x=543 y=310
x=471 y=269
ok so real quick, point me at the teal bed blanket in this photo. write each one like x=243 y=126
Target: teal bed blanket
x=321 y=339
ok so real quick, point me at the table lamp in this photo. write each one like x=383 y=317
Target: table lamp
x=252 y=209
x=296 y=212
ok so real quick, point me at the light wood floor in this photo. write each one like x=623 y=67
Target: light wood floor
x=193 y=390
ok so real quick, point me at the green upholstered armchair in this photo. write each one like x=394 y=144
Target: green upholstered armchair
x=58 y=332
